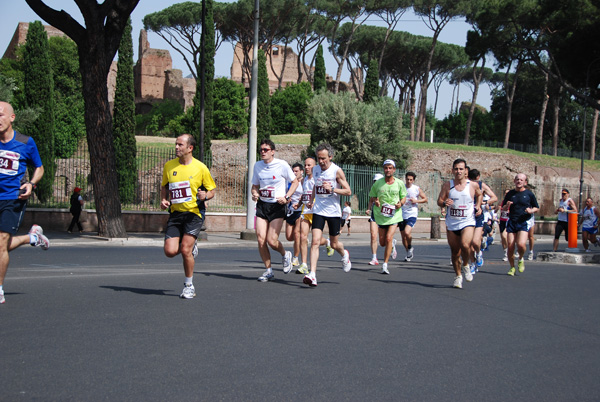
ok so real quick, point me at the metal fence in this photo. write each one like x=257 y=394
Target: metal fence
x=229 y=173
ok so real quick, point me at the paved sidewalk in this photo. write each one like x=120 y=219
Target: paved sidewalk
x=232 y=239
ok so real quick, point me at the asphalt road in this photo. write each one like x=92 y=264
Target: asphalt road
x=92 y=323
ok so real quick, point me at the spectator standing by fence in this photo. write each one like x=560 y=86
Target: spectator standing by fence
x=76 y=207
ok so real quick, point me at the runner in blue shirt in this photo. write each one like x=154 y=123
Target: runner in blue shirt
x=16 y=152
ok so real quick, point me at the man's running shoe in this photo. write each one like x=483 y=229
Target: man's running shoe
x=330 y=250
x=384 y=269
x=466 y=271
x=266 y=276
x=195 y=250
x=505 y=258
x=2 y=299
x=521 y=265
x=530 y=256
x=457 y=282
x=374 y=261
x=287 y=262
x=511 y=271
x=295 y=262
x=407 y=258
x=303 y=269
x=587 y=250
x=188 y=292
x=394 y=252
x=473 y=268
x=310 y=280
x=409 y=253
x=346 y=264
x=479 y=259
x=40 y=240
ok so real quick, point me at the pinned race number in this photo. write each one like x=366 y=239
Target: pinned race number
x=180 y=191
x=267 y=193
x=388 y=210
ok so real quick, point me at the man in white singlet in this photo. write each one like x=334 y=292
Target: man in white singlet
x=565 y=204
x=269 y=183
x=308 y=183
x=330 y=184
x=410 y=212
x=461 y=198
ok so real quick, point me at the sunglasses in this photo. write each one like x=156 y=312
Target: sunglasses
x=565 y=193
x=264 y=150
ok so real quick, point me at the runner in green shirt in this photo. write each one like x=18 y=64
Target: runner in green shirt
x=388 y=195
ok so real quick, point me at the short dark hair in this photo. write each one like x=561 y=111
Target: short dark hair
x=474 y=174
x=412 y=174
x=457 y=161
x=268 y=142
x=297 y=165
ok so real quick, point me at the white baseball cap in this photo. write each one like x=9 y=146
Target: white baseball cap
x=377 y=176
x=389 y=162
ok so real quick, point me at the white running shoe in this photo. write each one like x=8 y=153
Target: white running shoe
x=530 y=256
x=310 y=280
x=384 y=269
x=188 y=292
x=458 y=282
x=409 y=259
x=287 y=262
x=587 y=250
x=195 y=251
x=266 y=276
x=394 y=252
x=2 y=299
x=346 y=263
x=409 y=253
x=295 y=261
x=40 y=240
x=466 y=270
x=505 y=258
x=479 y=259
x=374 y=261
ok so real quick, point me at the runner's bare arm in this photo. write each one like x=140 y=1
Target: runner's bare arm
x=341 y=179
x=487 y=190
x=27 y=188
x=443 y=199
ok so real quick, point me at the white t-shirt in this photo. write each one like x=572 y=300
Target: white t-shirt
x=410 y=210
x=307 y=189
x=272 y=179
x=346 y=212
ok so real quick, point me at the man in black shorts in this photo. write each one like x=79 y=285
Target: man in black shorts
x=16 y=152
x=520 y=204
x=269 y=190
x=183 y=180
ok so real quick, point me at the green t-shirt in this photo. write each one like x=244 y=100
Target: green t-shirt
x=388 y=195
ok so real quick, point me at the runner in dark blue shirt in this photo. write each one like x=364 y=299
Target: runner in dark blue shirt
x=520 y=204
x=17 y=151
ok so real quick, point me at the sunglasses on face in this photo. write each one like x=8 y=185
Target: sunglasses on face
x=264 y=150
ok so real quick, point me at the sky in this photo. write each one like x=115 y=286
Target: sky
x=455 y=32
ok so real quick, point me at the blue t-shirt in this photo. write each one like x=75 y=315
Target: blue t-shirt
x=15 y=155
x=521 y=200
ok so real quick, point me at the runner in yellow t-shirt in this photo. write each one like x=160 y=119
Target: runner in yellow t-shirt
x=181 y=191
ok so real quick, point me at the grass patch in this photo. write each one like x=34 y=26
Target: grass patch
x=540 y=160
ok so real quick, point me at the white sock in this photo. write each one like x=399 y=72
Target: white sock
x=1 y=290
x=374 y=256
x=33 y=238
x=189 y=281
x=270 y=270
